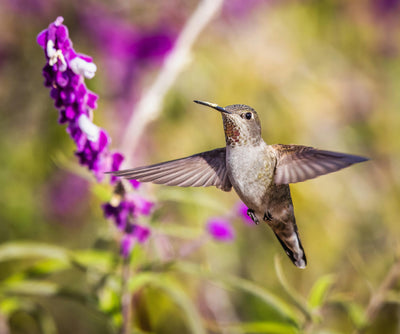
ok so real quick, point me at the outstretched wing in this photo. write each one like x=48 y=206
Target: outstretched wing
x=297 y=163
x=200 y=170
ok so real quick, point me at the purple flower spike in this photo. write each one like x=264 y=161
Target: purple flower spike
x=116 y=161
x=127 y=211
x=141 y=233
x=137 y=233
x=65 y=73
x=220 y=229
x=119 y=214
x=241 y=210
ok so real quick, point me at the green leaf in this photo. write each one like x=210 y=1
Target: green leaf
x=46 y=321
x=22 y=250
x=42 y=289
x=180 y=298
x=319 y=291
x=277 y=304
x=27 y=287
x=10 y=305
x=356 y=314
x=38 y=270
x=82 y=259
x=162 y=282
x=48 y=266
x=353 y=310
x=16 y=304
x=109 y=300
x=296 y=298
x=262 y=327
x=95 y=259
x=140 y=279
x=101 y=191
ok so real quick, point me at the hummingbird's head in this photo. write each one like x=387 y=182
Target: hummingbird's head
x=241 y=123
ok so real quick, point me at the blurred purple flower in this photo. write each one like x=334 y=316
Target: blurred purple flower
x=119 y=214
x=129 y=48
x=142 y=206
x=65 y=198
x=135 y=183
x=220 y=229
x=35 y=8
x=123 y=215
x=241 y=210
x=384 y=7
x=136 y=233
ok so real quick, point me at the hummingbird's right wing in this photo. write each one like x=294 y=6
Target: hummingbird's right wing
x=296 y=163
x=200 y=170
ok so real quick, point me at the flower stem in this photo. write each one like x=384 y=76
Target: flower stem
x=126 y=307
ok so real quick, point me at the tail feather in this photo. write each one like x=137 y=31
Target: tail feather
x=293 y=248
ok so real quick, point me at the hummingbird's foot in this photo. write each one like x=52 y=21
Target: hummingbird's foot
x=252 y=215
x=267 y=216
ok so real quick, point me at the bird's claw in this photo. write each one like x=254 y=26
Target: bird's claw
x=267 y=216
x=252 y=215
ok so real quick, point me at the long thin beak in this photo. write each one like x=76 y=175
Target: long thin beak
x=213 y=105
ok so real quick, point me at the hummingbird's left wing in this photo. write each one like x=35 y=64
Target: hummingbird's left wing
x=296 y=163
x=200 y=170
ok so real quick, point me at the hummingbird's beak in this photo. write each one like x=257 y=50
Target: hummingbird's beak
x=213 y=105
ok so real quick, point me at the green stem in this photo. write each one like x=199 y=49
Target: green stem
x=126 y=307
x=295 y=297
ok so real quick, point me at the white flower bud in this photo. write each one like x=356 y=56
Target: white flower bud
x=82 y=67
x=91 y=130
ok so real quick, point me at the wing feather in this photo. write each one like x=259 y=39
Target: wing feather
x=297 y=163
x=200 y=170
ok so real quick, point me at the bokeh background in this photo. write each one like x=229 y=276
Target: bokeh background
x=321 y=73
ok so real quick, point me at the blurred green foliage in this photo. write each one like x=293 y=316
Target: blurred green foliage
x=321 y=73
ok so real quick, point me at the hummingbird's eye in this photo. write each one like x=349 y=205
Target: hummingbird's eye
x=248 y=115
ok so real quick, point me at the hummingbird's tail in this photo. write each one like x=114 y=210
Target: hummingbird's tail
x=292 y=245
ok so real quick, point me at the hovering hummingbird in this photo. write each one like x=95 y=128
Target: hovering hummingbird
x=259 y=173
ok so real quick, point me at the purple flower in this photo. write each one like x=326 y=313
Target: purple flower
x=135 y=183
x=153 y=46
x=241 y=210
x=66 y=197
x=133 y=206
x=123 y=215
x=142 y=206
x=65 y=73
x=135 y=234
x=220 y=229
x=120 y=214
x=116 y=160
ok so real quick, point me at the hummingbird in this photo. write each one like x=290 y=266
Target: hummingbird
x=259 y=173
